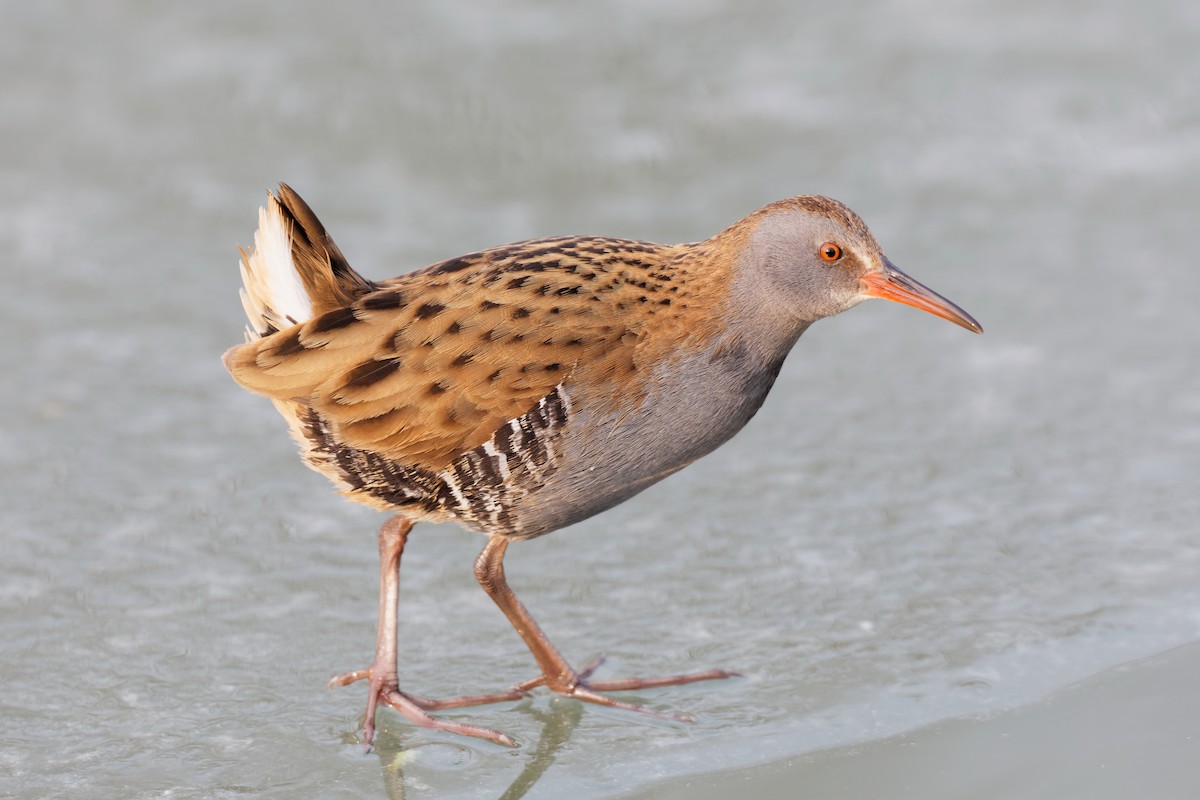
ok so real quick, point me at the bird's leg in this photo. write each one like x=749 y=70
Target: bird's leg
x=557 y=675
x=381 y=674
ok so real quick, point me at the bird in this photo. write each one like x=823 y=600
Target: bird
x=525 y=387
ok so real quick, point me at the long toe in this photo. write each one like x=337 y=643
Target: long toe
x=590 y=691
x=586 y=694
x=463 y=701
x=632 y=684
x=411 y=709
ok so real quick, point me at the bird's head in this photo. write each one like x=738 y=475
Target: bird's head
x=815 y=257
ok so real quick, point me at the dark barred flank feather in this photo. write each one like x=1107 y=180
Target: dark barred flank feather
x=477 y=489
x=488 y=480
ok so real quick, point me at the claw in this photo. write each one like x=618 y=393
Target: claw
x=347 y=678
x=593 y=665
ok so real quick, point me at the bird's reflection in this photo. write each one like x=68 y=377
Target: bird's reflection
x=558 y=724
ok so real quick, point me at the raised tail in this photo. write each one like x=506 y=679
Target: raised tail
x=295 y=271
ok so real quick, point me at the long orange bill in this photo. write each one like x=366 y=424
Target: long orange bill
x=892 y=284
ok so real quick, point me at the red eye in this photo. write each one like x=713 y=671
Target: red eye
x=830 y=251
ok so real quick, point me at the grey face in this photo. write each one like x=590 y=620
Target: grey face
x=812 y=263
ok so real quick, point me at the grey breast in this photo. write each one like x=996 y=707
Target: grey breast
x=695 y=404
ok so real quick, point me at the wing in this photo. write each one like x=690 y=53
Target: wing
x=431 y=364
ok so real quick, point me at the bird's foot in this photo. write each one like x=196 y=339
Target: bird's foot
x=415 y=709
x=578 y=685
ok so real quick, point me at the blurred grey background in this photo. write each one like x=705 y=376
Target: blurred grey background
x=921 y=524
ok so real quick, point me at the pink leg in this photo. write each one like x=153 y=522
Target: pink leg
x=557 y=675
x=382 y=672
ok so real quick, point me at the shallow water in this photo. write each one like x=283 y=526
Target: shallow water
x=919 y=524
x=1123 y=733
